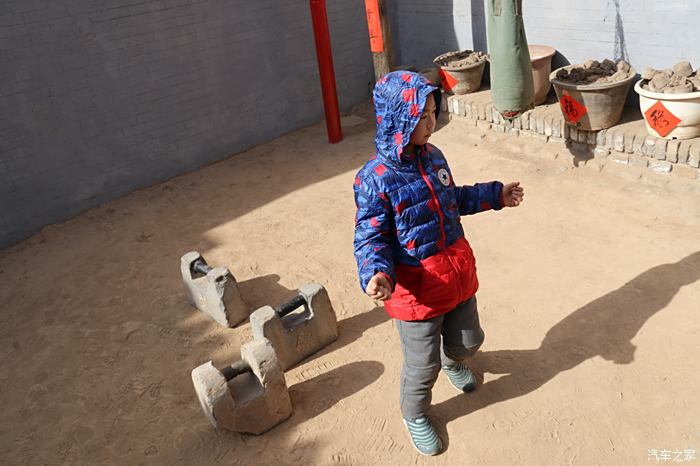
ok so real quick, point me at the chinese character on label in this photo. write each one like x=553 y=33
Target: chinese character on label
x=573 y=109
x=689 y=455
x=661 y=119
x=664 y=455
x=654 y=453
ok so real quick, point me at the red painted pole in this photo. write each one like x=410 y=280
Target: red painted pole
x=319 y=18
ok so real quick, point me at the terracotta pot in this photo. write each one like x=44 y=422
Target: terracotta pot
x=541 y=59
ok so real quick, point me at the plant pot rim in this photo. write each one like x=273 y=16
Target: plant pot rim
x=661 y=96
x=588 y=87
x=546 y=50
x=458 y=68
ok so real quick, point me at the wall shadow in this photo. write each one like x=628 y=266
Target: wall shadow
x=559 y=60
x=421 y=32
x=620 y=52
x=604 y=327
x=478 y=17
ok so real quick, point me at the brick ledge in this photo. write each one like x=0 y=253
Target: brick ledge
x=626 y=143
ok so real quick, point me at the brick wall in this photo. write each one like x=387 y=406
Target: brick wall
x=101 y=97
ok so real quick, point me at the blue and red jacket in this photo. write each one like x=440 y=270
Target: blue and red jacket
x=408 y=210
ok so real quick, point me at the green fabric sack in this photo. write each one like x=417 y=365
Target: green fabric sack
x=512 y=88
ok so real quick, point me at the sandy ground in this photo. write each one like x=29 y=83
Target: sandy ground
x=589 y=298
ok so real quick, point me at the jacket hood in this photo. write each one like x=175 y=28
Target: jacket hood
x=399 y=99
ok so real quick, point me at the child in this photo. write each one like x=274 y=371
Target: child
x=410 y=247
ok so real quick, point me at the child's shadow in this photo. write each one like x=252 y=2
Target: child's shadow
x=604 y=327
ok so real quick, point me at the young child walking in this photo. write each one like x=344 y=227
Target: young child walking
x=410 y=247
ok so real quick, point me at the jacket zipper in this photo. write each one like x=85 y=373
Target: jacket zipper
x=437 y=203
x=440 y=217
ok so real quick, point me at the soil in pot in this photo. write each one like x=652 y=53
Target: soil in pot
x=595 y=72
x=681 y=79
x=459 y=60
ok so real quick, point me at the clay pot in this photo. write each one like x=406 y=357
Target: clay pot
x=591 y=107
x=462 y=79
x=431 y=74
x=541 y=59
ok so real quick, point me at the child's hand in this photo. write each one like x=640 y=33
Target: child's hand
x=513 y=194
x=379 y=287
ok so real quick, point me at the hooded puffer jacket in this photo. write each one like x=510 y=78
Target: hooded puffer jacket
x=408 y=210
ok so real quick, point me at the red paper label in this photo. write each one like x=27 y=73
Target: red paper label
x=376 y=40
x=661 y=119
x=572 y=108
x=448 y=81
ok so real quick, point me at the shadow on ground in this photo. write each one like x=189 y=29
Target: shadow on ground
x=604 y=327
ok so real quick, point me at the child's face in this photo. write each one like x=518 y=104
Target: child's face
x=426 y=124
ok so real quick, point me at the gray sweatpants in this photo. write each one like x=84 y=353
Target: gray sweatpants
x=423 y=354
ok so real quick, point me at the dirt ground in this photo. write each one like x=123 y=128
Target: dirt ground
x=589 y=298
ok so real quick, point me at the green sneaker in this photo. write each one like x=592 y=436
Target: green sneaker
x=423 y=436
x=461 y=377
